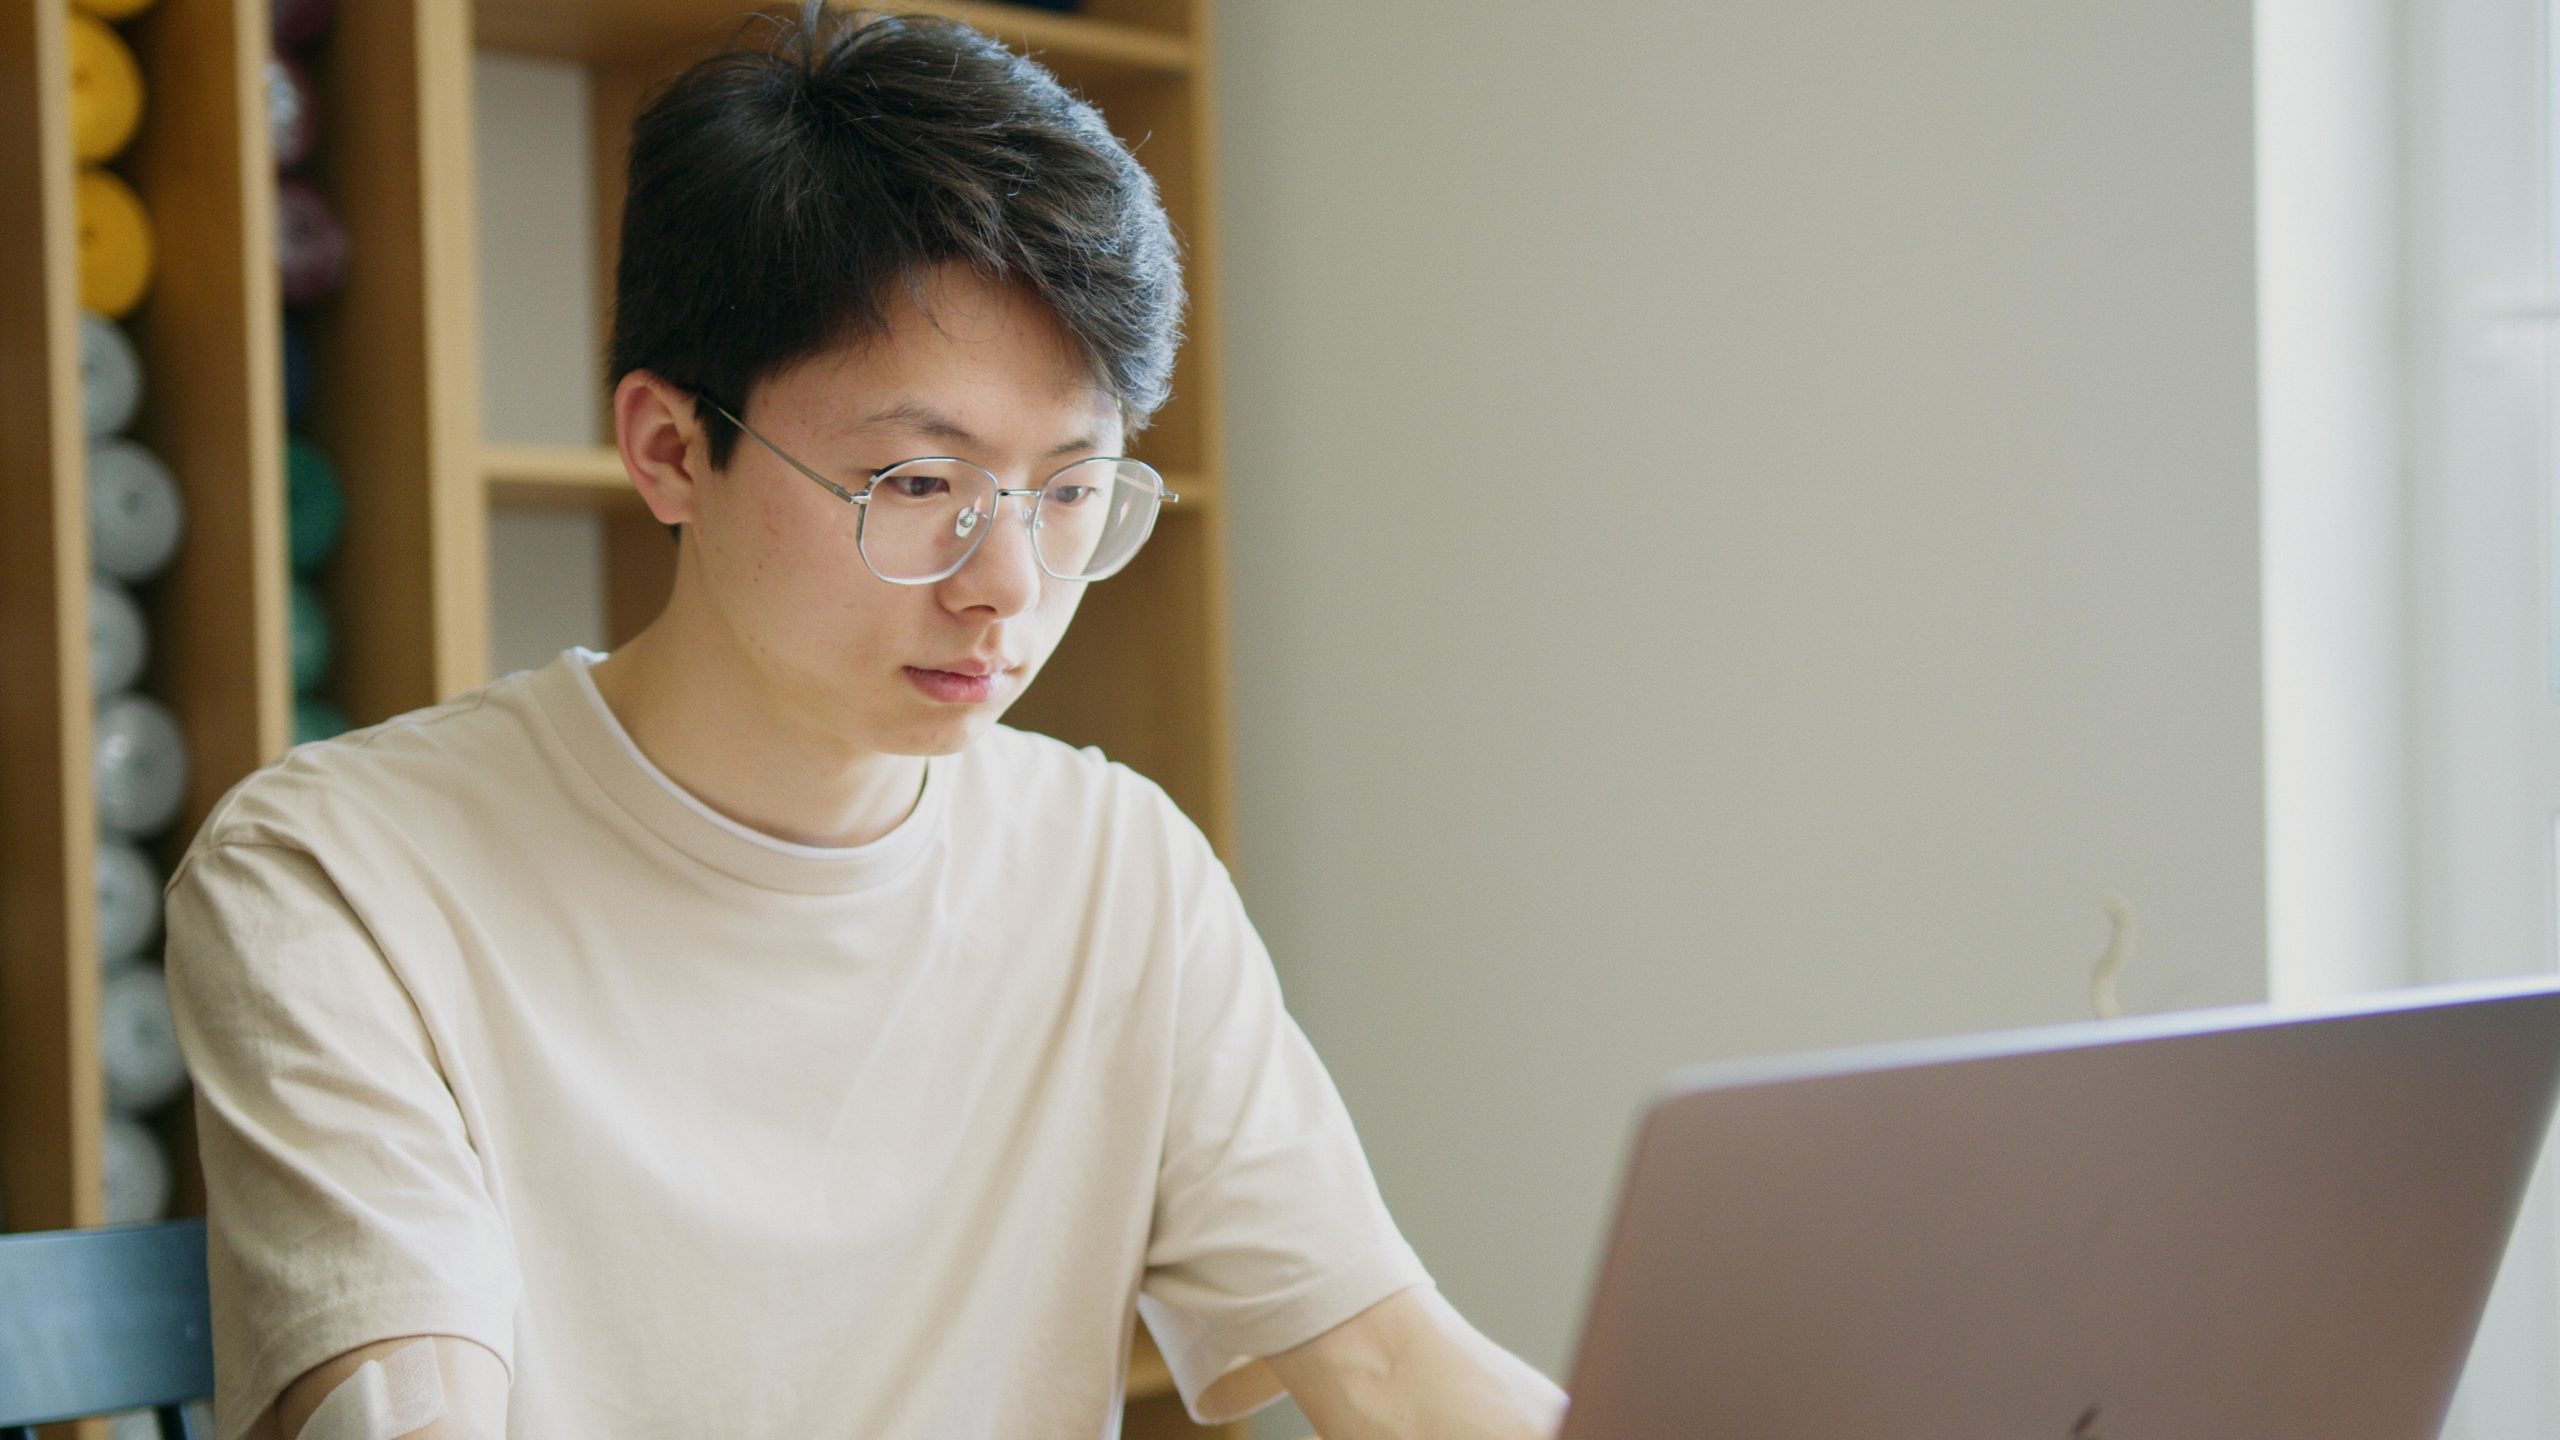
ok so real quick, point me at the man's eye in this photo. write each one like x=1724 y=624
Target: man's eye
x=1071 y=495
x=916 y=487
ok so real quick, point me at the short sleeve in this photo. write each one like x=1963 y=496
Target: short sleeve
x=1269 y=1229
x=346 y=1203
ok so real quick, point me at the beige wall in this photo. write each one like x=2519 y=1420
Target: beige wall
x=1746 y=531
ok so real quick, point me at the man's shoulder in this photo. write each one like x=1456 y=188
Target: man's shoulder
x=1035 y=765
x=1027 y=756
x=1035 y=779
x=477 y=744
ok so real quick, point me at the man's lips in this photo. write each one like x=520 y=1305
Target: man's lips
x=959 y=682
x=975 y=669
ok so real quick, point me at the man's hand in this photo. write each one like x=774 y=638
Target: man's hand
x=1410 y=1367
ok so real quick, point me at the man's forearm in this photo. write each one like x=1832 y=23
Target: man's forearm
x=1412 y=1368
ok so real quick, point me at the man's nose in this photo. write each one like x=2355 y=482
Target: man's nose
x=1004 y=573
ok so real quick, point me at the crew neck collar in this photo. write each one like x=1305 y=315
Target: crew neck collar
x=595 y=737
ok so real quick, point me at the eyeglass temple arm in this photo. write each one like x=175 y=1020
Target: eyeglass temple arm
x=848 y=496
x=785 y=456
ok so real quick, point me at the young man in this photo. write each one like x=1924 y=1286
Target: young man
x=743 y=1034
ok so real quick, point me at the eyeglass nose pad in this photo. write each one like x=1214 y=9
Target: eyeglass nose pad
x=965 y=522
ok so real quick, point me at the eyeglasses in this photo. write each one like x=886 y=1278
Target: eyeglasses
x=922 y=519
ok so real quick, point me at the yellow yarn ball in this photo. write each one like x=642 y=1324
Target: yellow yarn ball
x=106 y=91
x=115 y=244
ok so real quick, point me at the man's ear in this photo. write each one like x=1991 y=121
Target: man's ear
x=664 y=449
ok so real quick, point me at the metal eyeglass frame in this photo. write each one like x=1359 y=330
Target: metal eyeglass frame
x=1030 y=512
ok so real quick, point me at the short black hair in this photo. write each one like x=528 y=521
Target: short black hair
x=780 y=193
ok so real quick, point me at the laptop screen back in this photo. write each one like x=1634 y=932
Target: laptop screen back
x=2222 y=1224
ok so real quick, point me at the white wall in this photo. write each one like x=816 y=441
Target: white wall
x=1746 y=530
x=2479 y=177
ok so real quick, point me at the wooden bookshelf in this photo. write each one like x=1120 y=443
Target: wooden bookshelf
x=1144 y=673
x=50 y=1089
x=207 y=335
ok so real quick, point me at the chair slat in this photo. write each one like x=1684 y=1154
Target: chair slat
x=94 y=1322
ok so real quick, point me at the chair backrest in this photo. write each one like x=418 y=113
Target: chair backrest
x=93 y=1322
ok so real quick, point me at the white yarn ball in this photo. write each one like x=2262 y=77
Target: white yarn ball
x=138 y=1175
x=145 y=1069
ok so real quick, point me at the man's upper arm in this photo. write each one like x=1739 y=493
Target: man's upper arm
x=346 y=1203
x=1268 y=1226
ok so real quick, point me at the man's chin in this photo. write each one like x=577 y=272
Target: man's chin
x=949 y=732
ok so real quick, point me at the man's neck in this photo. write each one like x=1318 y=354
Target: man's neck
x=715 y=726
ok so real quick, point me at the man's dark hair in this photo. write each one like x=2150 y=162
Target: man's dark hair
x=781 y=194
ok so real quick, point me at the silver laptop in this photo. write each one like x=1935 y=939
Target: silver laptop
x=2230 y=1223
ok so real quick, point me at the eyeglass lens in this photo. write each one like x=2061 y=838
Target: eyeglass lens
x=925 y=517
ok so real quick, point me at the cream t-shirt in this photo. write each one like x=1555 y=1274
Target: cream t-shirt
x=498 y=1033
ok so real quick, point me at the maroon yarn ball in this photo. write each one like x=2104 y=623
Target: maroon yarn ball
x=311 y=246
x=299 y=24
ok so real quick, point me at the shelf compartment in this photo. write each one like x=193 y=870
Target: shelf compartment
x=203 y=169
x=200 y=165
x=51 y=1091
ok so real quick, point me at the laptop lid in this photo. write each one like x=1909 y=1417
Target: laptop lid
x=2243 y=1222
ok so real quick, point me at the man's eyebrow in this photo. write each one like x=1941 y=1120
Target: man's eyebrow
x=924 y=420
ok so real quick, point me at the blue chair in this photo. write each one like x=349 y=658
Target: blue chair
x=94 y=1322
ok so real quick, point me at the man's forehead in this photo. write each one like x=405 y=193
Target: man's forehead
x=967 y=364
x=922 y=417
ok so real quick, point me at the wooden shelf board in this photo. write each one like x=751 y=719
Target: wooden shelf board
x=555 y=477
x=650 y=32
x=1062 y=38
